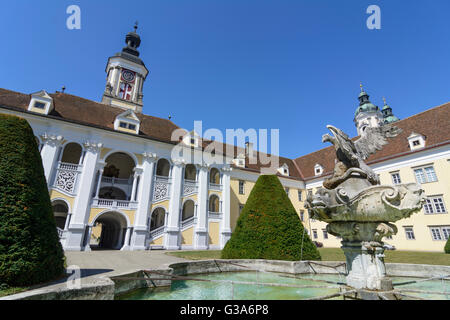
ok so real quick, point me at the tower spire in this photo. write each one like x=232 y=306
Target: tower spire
x=126 y=74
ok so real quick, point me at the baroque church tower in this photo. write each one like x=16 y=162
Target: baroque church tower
x=126 y=74
x=367 y=114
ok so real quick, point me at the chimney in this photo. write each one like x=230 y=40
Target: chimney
x=249 y=150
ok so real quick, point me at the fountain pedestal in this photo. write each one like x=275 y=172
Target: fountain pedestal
x=365 y=266
x=361 y=215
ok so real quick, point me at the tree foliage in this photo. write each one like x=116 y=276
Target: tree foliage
x=30 y=251
x=269 y=227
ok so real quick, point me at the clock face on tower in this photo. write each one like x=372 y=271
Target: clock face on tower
x=128 y=75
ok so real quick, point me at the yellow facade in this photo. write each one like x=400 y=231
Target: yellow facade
x=187 y=236
x=56 y=194
x=214 y=233
x=164 y=204
x=158 y=242
x=420 y=222
x=237 y=199
x=95 y=211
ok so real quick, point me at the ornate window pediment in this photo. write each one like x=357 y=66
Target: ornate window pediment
x=127 y=122
x=41 y=102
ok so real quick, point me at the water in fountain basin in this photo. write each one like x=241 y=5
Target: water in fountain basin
x=228 y=290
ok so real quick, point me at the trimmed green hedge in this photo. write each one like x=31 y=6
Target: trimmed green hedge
x=30 y=251
x=269 y=227
x=447 y=246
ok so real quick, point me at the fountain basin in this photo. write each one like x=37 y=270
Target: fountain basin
x=284 y=280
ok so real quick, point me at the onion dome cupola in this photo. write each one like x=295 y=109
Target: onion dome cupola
x=126 y=73
x=388 y=116
x=366 y=114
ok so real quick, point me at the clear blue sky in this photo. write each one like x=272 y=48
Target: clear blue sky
x=292 y=65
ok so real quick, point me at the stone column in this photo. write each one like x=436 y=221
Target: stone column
x=172 y=240
x=49 y=154
x=87 y=244
x=141 y=227
x=225 y=232
x=201 y=227
x=137 y=173
x=126 y=245
x=82 y=205
x=100 y=167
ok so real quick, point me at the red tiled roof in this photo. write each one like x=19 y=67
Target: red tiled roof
x=434 y=124
x=87 y=112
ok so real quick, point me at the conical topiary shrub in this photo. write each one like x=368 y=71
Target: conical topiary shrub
x=269 y=227
x=447 y=246
x=30 y=251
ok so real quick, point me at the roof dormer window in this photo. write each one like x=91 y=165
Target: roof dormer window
x=318 y=169
x=416 y=141
x=284 y=170
x=41 y=102
x=39 y=105
x=127 y=122
x=192 y=139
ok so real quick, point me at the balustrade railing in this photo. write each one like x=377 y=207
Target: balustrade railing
x=214 y=186
x=157 y=232
x=113 y=180
x=60 y=232
x=113 y=204
x=161 y=189
x=189 y=187
x=67 y=175
x=214 y=215
x=187 y=223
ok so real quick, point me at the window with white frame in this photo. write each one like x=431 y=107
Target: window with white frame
x=128 y=121
x=302 y=215
x=440 y=233
x=325 y=233
x=300 y=195
x=396 y=178
x=39 y=105
x=318 y=169
x=425 y=174
x=314 y=233
x=434 y=205
x=241 y=187
x=409 y=232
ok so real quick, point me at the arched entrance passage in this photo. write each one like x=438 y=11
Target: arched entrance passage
x=60 y=213
x=109 y=231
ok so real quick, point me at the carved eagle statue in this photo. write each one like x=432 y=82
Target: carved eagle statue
x=352 y=154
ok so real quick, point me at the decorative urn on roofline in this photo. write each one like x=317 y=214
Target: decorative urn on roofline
x=360 y=210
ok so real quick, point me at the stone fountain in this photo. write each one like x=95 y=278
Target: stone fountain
x=359 y=210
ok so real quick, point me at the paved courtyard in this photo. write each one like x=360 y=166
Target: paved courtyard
x=112 y=262
x=101 y=263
